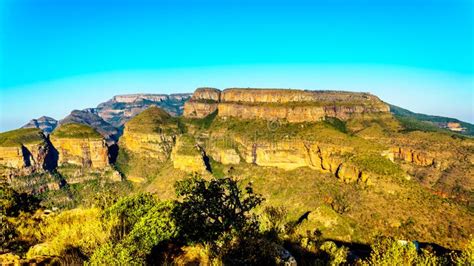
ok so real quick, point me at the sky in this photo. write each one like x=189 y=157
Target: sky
x=60 y=55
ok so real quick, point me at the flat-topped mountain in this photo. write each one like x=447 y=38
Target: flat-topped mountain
x=122 y=108
x=45 y=123
x=291 y=105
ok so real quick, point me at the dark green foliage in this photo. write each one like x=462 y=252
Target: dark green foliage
x=212 y=208
x=127 y=211
x=203 y=123
x=12 y=202
x=336 y=123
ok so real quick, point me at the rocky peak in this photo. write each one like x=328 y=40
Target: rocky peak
x=45 y=123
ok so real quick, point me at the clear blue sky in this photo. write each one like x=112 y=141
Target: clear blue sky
x=59 y=55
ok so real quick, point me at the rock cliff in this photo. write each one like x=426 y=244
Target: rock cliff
x=150 y=134
x=291 y=105
x=24 y=148
x=80 y=145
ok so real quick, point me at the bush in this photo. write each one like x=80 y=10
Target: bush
x=127 y=211
x=212 y=209
x=387 y=251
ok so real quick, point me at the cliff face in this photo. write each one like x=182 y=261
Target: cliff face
x=80 y=145
x=24 y=148
x=291 y=105
x=150 y=134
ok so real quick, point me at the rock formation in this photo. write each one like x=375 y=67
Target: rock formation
x=188 y=156
x=150 y=134
x=80 y=145
x=290 y=105
x=45 y=123
x=122 y=108
x=24 y=148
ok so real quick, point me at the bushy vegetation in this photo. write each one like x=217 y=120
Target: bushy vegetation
x=212 y=221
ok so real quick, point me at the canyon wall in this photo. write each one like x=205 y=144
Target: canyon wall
x=291 y=105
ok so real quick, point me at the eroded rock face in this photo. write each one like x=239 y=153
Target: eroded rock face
x=291 y=105
x=151 y=134
x=188 y=156
x=81 y=151
x=412 y=156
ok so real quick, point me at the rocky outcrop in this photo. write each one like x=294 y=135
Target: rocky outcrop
x=291 y=105
x=45 y=123
x=80 y=145
x=24 y=148
x=419 y=158
x=87 y=117
x=150 y=134
x=188 y=156
x=122 y=108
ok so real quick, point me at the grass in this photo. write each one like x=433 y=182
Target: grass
x=153 y=120
x=74 y=130
x=21 y=136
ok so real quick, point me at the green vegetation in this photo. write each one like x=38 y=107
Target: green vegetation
x=153 y=120
x=74 y=130
x=21 y=136
x=415 y=121
x=214 y=218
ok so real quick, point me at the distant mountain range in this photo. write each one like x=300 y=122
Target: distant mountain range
x=431 y=122
x=108 y=117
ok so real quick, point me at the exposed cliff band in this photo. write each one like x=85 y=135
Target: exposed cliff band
x=291 y=105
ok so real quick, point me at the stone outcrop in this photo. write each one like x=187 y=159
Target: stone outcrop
x=80 y=145
x=291 y=105
x=419 y=158
x=188 y=156
x=122 y=108
x=24 y=148
x=150 y=134
x=45 y=123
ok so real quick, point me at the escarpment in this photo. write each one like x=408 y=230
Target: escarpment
x=150 y=134
x=292 y=105
x=25 y=149
x=80 y=145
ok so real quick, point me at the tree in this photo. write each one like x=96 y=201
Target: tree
x=210 y=209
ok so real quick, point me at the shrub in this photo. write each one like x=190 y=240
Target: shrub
x=337 y=255
x=211 y=209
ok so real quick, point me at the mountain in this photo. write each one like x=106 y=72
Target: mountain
x=87 y=117
x=122 y=108
x=431 y=122
x=336 y=165
x=45 y=123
